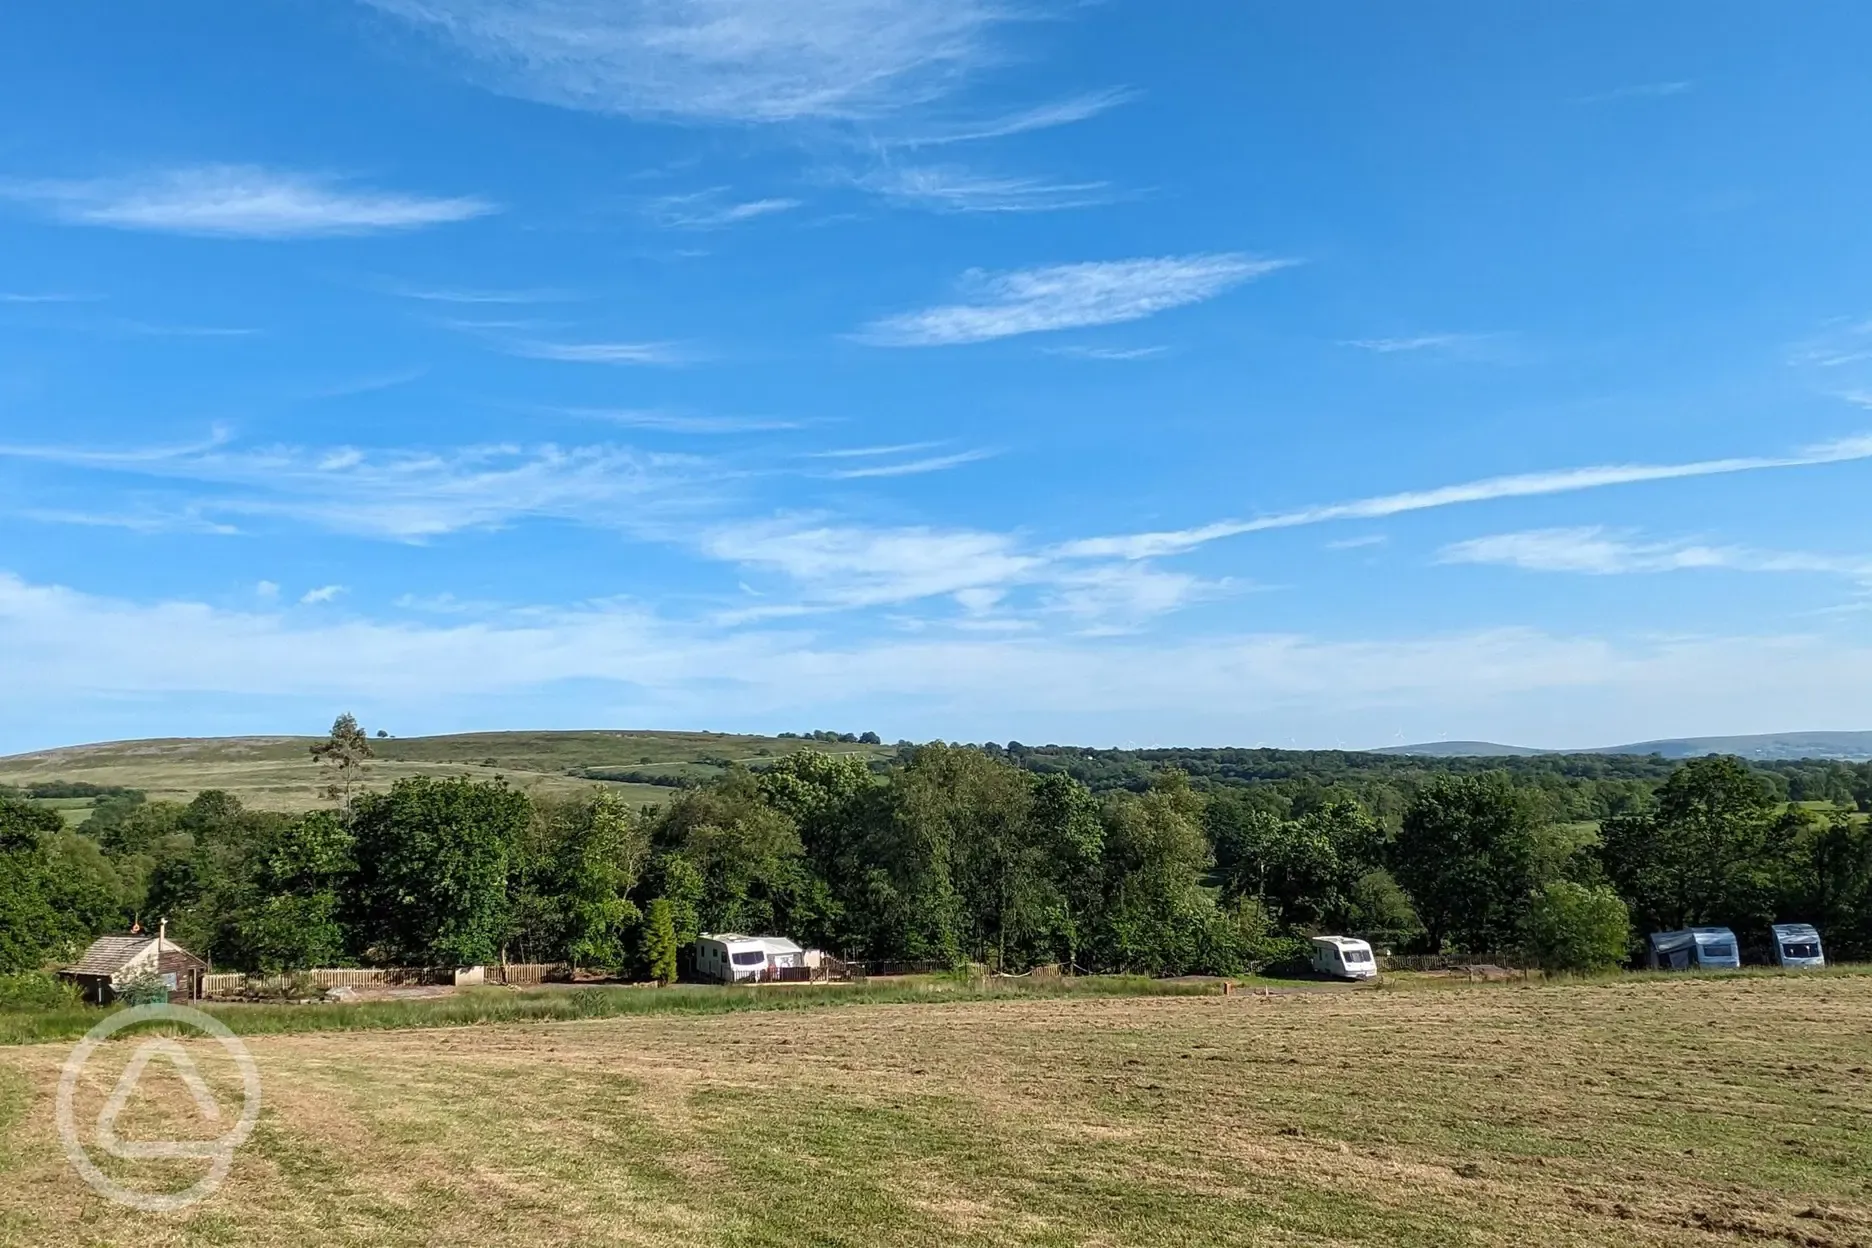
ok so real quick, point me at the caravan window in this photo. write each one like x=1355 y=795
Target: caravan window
x=1802 y=950
x=753 y=957
x=1719 y=951
x=1357 y=955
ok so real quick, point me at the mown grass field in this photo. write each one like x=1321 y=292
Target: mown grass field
x=278 y=773
x=1640 y=1111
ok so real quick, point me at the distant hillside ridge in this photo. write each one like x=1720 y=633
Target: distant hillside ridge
x=1465 y=749
x=1849 y=747
x=279 y=772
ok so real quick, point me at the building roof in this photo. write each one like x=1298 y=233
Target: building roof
x=110 y=954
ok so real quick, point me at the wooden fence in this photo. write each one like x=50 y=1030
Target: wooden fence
x=236 y=984
x=1511 y=961
x=525 y=974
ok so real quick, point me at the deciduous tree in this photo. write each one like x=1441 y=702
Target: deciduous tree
x=1466 y=856
x=342 y=755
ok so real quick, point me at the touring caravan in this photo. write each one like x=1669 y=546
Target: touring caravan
x=1797 y=946
x=1344 y=957
x=1694 y=949
x=731 y=957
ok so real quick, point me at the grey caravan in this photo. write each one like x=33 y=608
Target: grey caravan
x=1797 y=946
x=1695 y=949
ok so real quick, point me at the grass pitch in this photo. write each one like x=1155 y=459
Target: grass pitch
x=1644 y=1111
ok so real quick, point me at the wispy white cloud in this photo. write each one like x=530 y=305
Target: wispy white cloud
x=1070 y=296
x=44 y=297
x=241 y=201
x=150 y=329
x=324 y=593
x=407 y=495
x=1522 y=485
x=1841 y=343
x=1364 y=542
x=1117 y=354
x=446 y=294
x=1461 y=343
x=996 y=580
x=1639 y=91
x=676 y=422
x=713 y=209
x=144 y=518
x=914 y=467
x=868 y=452
x=950 y=188
x=749 y=61
x=1041 y=117
x=1113 y=598
x=853 y=566
x=1606 y=552
x=367 y=384
x=668 y=354
x=60 y=646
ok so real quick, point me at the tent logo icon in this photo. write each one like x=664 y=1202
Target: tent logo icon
x=217 y=1152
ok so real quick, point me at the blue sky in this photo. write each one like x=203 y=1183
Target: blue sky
x=1091 y=372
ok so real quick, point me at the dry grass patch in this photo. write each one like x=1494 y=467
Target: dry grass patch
x=1653 y=1112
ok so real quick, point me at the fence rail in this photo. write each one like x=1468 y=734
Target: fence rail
x=1511 y=961
x=524 y=974
x=236 y=984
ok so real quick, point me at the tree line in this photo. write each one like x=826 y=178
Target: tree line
x=945 y=854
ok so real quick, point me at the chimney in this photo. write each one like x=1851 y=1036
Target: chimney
x=162 y=934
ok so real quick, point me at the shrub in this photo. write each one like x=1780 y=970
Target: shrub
x=143 y=988
x=660 y=941
x=32 y=991
x=1570 y=927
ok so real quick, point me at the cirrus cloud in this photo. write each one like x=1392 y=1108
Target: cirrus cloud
x=750 y=61
x=1070 y=296
x=241 y=201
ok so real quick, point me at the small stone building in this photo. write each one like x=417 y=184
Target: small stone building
x=112 y=961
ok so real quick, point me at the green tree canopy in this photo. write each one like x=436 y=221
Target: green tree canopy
x=660 y=943
x=1573 y=927
x=1716 y=850
x=433 y=858
x=1466 y=856
x=42 y=918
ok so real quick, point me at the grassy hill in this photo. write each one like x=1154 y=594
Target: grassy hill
x=277 y=773
x=1767 y=747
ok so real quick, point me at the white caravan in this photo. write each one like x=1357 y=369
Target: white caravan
x=731 y=957
x=1797 y=946
x=1344 y=957
x=1695 y=949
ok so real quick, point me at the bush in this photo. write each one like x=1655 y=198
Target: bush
x=1570 y=927
x=660 y=941
x=1242 y=940
x=32 y=991
x=143 y=988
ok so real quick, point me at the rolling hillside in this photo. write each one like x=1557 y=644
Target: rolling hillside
x=277 y=773
x=1768 y=747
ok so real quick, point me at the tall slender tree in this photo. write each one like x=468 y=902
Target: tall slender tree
x=342 y=755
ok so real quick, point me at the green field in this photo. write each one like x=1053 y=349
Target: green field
x=278 y=773
x=1643 y=1111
